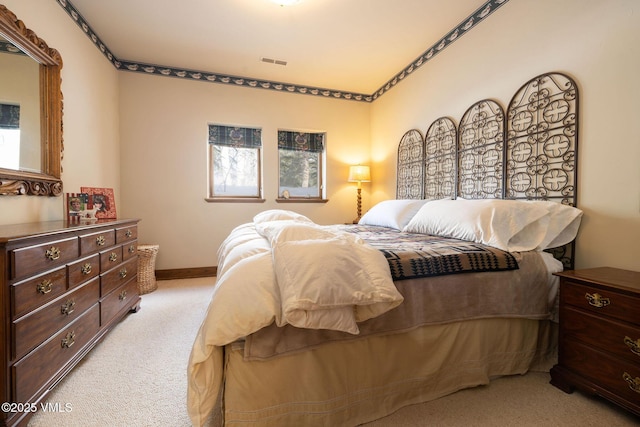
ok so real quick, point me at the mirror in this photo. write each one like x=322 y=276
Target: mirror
x=30 y=111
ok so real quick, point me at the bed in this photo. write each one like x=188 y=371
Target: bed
x=443 y=288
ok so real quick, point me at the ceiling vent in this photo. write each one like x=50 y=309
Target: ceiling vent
x=273 y=61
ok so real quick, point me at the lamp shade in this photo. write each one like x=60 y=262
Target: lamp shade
x=359 y=173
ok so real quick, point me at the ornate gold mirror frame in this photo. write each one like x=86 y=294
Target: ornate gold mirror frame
x=48 y=181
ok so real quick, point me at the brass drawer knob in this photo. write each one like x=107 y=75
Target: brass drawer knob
x=123 y=295
x=68 y=307
x=132 y=249
x=634 y=383
x=634 y=346
x=52 y=253
x=597 y=300
x=100 y=240
x=123 y=273
x=128 y=233
x=113 y=257
x=86 y=269
x=69 y=339
x=44 y=287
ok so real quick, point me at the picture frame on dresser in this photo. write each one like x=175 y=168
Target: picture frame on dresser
x=102 y=200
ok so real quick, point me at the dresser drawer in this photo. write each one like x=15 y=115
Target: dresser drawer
x=117 y=276
x=94 y=242
x=130 y=249
x=83 y=270
x=126 y=234
x=110 y=258
x=122 y=298
x=615 y=375
x=35 y=370
x=32 y=259
x=618 y=338
x=605 y=302
x=31 y=330
x=32 y=293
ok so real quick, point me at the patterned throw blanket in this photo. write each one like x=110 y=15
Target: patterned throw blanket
x=412 y=255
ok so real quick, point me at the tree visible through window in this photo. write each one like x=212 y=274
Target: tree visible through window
x=234 y=162
x=300 y=164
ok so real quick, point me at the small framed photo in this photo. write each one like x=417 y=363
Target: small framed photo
x=76 y=206
x=101 y=201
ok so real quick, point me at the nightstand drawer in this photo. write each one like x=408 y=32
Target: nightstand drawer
x=616 y=376
x=618 y=338
x=599 y=301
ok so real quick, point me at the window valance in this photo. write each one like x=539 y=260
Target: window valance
x=235 y=136
x=301 y=141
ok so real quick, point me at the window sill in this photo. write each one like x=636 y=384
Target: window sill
x=233 y=200
x=300 y=200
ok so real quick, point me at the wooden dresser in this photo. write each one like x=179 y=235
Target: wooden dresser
x=599 y=341
x=62 y=288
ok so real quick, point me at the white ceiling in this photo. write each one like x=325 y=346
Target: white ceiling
x=352 y=45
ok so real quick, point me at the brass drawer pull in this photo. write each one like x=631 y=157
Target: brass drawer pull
x=123 y=273
x=86 y=269
x=132 y=249
x=44 y=287
x=634 y=383
x=634 y=346
x=128 y=233
x=596 y=300
x=113 y=257
x=68 y=307
x=100 y=240
x=69 y=340
x=123 y=295
x=52 y=253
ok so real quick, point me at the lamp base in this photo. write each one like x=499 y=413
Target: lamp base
x=359 y=206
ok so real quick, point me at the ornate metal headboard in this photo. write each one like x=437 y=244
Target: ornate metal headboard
x=531 y=156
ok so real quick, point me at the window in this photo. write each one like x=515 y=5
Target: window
x=300 y=158
x=234 y=162
x=10 y=136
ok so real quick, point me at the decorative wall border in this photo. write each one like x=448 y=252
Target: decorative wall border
x=207 y=76
x=8 y=47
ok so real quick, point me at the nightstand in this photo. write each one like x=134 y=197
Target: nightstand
x=599 y=340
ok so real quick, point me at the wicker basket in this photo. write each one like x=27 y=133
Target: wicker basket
x=146 y=268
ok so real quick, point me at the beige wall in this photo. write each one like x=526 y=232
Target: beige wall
x=149 y=132
x=91 y=118
x=164 y=159
x=595 y=42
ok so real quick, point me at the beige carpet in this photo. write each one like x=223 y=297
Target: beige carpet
x=137 y=377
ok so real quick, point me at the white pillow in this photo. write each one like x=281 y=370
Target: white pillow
x=279 y=215
x=510 y=225
x=392 y=213
x=564 y=222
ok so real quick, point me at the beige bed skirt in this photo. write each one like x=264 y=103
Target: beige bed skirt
x=350 y=383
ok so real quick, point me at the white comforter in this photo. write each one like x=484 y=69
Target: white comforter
x=283 y=268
